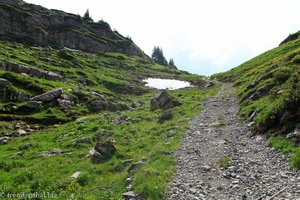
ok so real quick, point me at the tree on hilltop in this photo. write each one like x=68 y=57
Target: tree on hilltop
x=158 y=56
x=172 y=64
x=87 y=15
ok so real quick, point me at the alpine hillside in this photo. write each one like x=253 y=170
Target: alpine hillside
x=76 y=119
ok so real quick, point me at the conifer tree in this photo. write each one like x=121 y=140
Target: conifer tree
x=158 y=56
x=87 y=14
x=172 y=64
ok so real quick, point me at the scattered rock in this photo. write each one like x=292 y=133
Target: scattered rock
x=102 y=151
x=65 y=103
x=136 y=165
x=131 y=195
x=75 y=175
x=295 y=135
x=48 y=96
x=253 y=114
x=52 y=152
x=20 y=153
x=137 y=104
x=81 y=140
x=99 y=104
x=33 y=104
x=4 y=140
x=163 y=100
x=261 y=91
x=251 y=124
x=121 y=120
x=4 y=83
x=20 y=132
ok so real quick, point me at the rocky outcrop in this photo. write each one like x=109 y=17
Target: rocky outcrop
x=290 y=38
x=33 y=72
x=48 y=96
x=35 y=24
x=163 y=100
x=261 y=91
x=4 y=83
x=6 y=92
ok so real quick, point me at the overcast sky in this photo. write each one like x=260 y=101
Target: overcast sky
x=202 y=36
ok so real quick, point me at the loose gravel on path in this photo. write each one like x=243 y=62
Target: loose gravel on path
x=218 y=138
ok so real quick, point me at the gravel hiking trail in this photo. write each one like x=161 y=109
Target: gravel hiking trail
x=220 y=159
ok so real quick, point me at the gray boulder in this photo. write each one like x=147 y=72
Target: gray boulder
x=53 y=76
x=48 y=96
x=136 y=165
x=130 y=195
x=163 y=100
x=4 y=83
x=20 y=132
x=154 y=104
x=99 y=104
x=102 y=151
x=64 y=103
x=33 y=104
x=4 y=140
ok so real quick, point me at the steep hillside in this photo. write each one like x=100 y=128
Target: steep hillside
x=269 y=92
x=60 y=107
x=37 y=25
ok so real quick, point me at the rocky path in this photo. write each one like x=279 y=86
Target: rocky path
x=217 y=138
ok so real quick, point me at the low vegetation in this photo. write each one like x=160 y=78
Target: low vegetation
x=224 y=162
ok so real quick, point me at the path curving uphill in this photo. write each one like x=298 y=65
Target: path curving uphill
x=219 y=159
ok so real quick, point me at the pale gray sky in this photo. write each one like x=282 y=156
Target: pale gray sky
x=202 y=36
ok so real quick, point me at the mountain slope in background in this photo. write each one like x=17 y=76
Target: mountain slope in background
x=34 y=24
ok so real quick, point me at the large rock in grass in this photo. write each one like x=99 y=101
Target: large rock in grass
x=4 y=83
x=261 y=91
x=163 y=100
x=102 y=151
x=294 y=136
x=99 y=104
x=48 y=96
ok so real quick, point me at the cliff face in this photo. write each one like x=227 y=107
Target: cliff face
x=35 y=24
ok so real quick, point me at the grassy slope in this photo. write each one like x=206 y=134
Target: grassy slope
x=142 y=137
x=278 y=68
